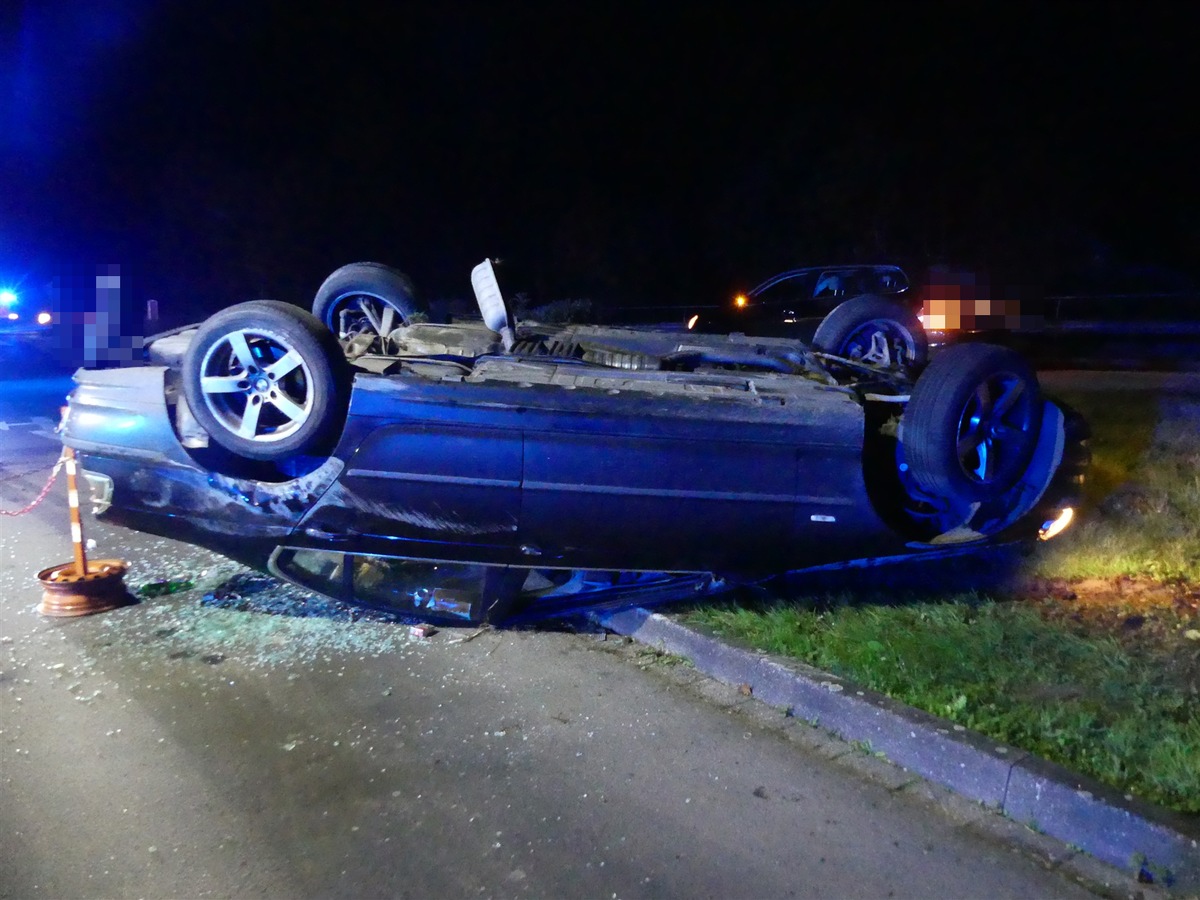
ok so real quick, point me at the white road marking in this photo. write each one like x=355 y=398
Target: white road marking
x=42 y=426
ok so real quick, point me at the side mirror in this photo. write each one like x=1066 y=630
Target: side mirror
x=491 y=303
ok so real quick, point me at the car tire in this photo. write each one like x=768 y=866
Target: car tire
x=972 y=422
x=365 y=297
x=850 y=331
x=267 y=381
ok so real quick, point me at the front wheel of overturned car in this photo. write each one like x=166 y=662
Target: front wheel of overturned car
x=972 y=422
x=875 y=331
x=365 y=298
x=267 y=381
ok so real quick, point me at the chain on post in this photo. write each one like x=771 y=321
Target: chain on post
x=42 y=494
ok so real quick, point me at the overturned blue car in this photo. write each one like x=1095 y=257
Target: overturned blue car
x=497 y=471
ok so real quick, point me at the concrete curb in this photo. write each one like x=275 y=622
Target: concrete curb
x=1134 y=837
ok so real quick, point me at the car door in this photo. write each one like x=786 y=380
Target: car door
x=430 y=479
x=624 y=488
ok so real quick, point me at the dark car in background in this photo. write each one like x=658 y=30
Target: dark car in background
x=1122 y=319
x=864 y=312
x=793 y=303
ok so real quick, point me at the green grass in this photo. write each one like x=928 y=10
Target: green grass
x=1142 y=511
x=1119 y=712
x=1000 y=669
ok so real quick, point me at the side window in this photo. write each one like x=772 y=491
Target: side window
x=454 y=590
x=404 y=586
x=892 y=282
x=830 y=284
x=323 y=571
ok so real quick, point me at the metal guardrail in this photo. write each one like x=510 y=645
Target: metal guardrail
x=1128 y=329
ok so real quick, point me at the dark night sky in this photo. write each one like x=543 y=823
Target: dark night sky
x=631 y=153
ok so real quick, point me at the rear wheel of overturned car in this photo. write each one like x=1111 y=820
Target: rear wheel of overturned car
x=365 y=298
x=267 y=381
x=875 y=331
x=972 y=422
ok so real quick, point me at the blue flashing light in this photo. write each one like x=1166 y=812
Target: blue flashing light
x=8 y=297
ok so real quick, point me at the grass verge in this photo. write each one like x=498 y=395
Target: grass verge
x=1142 y=507
x=1090 y=657
x=1003 y=670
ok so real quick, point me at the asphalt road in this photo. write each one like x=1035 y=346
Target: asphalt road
x=180 y=749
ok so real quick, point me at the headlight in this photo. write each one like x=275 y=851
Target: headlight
x=1054 y=527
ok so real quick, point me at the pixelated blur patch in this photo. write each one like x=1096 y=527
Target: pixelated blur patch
x=99 y=316
x=954 y=300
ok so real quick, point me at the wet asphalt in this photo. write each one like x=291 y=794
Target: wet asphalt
x=242 y=747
